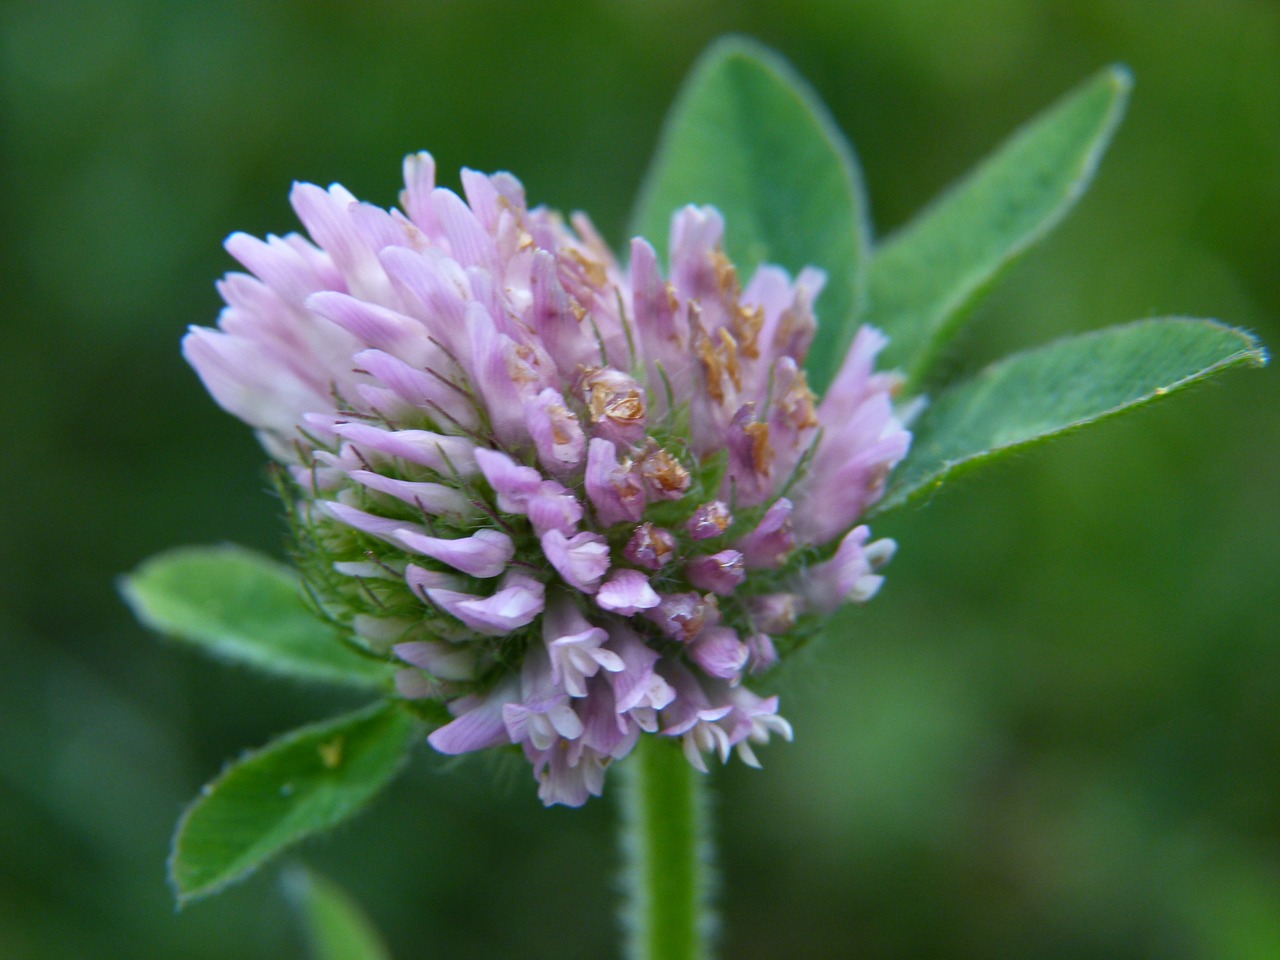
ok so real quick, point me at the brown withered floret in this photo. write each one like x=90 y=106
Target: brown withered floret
x=799 y=404
x=663 y=473
x=613 y=397
x=761 y=451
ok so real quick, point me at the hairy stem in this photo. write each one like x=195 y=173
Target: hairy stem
x=667 y=854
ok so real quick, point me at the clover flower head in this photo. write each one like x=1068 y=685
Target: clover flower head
x=578 y=502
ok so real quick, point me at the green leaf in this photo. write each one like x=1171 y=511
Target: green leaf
x=926 y=274
x=245 y=607
x=336 y=927
x=748 y=136
x=1029 y=397
x=304 y=782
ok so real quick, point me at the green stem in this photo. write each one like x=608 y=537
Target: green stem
x=667 y=854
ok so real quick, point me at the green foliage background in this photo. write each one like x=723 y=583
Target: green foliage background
x=1054 y=734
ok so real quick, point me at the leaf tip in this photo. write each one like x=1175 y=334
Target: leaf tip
x=1253 y=352
x=183 y=896
x=185 y=891
x=128 y=591
x=296 y=883
x=1120 y=77
x=1118 y=81
x=1256 y=350
x=735 y=45
x=754 y=53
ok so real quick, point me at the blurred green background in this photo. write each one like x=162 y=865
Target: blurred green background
x=1056 y=733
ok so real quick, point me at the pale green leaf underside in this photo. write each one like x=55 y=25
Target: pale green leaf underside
x=245 y=607
x=747 y=136
x=1032 y=396
x=304 y=782
x=336 y=927
x=926 y=274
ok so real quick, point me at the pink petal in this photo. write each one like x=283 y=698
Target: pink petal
x=581 y=559
x=627 y=592
x=484 y=554
x=479 y=724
